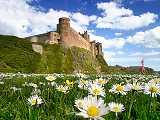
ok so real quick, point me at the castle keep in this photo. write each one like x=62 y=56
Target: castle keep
x=68 y=37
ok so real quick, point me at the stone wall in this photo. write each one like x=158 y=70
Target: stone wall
x=50 y=38
x=77 y=40
x=69 y=37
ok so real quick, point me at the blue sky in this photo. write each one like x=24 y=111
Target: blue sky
x=129 y=30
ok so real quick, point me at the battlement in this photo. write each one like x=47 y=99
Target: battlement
x=68 y=37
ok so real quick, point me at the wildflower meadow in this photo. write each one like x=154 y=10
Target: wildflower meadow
x=79 y=97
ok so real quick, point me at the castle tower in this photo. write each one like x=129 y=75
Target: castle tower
x=99 y=48
x=86 y=36
x=93 y=47
x=63 y=29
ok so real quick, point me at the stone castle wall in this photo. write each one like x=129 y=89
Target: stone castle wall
x=68 y=37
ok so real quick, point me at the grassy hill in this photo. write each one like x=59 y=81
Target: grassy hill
x=130 y=70
x=17 y=55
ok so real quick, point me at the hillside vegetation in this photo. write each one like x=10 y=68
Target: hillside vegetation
x=17 y=55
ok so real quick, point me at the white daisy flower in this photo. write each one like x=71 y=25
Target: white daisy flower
x=116 y=107
x=80 y=75
x=33 y=85
x=35 y=99
x=62 y=88
x=79 y=103
x=1 y=83
x=93 y=108
x=118 y=88
x=100 y=81
x=53 y=83
x=50 y=78
x=135 y=86
x=152 y=88
x=96 y=89
x=156 y=81
x=83 y=84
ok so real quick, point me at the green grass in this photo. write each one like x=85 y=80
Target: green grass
x=17 y=55
x=60 y=106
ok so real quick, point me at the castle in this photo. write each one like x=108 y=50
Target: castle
x=68 y=37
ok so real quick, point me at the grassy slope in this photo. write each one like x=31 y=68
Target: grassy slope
x=58 y=59
x=17 y=55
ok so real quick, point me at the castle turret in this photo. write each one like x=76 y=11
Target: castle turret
x=63 y=29
x=99 y=48
x=86 y=36
x=93 y=47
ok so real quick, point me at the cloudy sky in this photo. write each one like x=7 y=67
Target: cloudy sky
x=129 y=30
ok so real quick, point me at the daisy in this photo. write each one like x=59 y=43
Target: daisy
x=93 y=108
x=50 y=78
x=100 y=81
x=35 y=99
x=152 y=88
x=118 y=88
x=156 y=81
x=135 y=86
x=33 y=85
x=79 y=103
x=83 y=84
x=96 y=90
x=62 y=88
x=80 y=75
x=116 y=107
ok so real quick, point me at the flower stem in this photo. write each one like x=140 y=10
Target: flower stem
x=130 y=108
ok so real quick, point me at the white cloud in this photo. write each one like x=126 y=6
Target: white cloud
x=80 y=22
x=19 y=18
x=117 y=34
x=108 y=55
x=149 y=38
x=109 y=43
x=117 y=17
x=149 y=53
x=125 y=60
x=83 y=19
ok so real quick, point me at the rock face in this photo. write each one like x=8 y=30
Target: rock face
x=68 y=37
x=60 y=59
x=37 y=48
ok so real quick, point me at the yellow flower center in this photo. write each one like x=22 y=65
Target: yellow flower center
x=50 y=78
x=100 y=81
x=135 y=86
x=119 y=88
x=34 y=101
x=96 y=91
x=153 y=89
x=62 y=89
x=33 y=85
x=116 y=109
x=83 y=81
x=156 y=81
x=92 y=111
x=80 y=104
